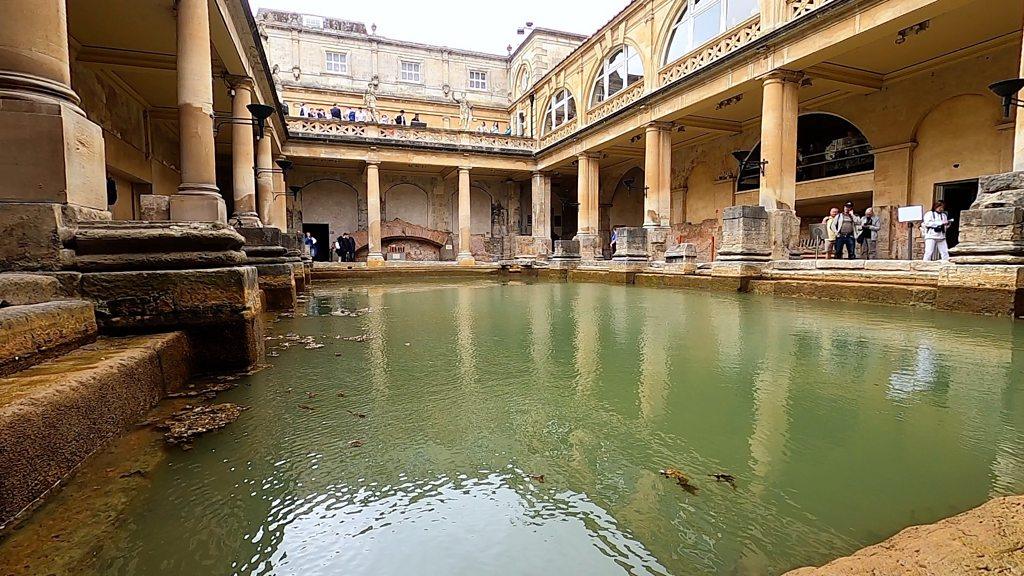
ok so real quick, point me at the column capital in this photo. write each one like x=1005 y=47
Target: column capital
x=658 y=126
x=539 y=174
x=237 y=82
x=589 y=155
x=465 y=168
x=782 y=75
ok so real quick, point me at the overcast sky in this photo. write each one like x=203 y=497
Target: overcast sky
x=482 y=25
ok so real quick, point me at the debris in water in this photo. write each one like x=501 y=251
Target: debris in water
x=537 y=478
x=311 y=395
x=203 y=391
x=682 y=479
x=341 y=394
x=338 y=354
x=360 y=338
x=356 y=414
x=289 y=391
x=186 y=424
x=307 y=407
x=727 y=478
x=355 y=444
x=136 y=472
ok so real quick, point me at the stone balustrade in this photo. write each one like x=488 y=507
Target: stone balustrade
x=331 y=128
x=730 y=42
x=796 y=8
x=616 y=103
x=559 y=133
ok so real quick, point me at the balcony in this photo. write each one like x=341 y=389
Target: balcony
x=392 y=134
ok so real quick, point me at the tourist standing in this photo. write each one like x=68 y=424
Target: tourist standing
x=303 y=111
x=936 y=223
x=361 y=115
x=483 y=128
x=336 y=112
x=310 y=243
x=416 y=119
x=830 y=232
x=868 y=239
x=339 y=248
x=385 y=119
x=400 y=119
x=349 y=246
x=614 y=241
x=845 y=225
x=495 y=129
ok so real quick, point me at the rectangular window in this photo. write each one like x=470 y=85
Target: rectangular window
x=707 y=24
x=336 y=62
x=411 y=72
x=739 y=10
x=312 y=21
x=477 y=80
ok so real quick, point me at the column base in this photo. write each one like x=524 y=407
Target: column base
x=784 y=233
x=631 y=245
x=745 y=235
x=192 y=205
x=246 y=220
x=375 y=260
x=465 y=259
x=532 y=248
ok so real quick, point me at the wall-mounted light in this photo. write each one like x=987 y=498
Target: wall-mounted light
x=729 y=102
x=283 y=167
x=1008 y=90
x=743 y=157
x=902 y=35
x=260 y=113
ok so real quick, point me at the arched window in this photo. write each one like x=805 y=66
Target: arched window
x=561 y=109
x=621 y=69
x=826 y=146
x=702 y=20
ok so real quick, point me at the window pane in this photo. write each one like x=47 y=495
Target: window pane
x=572 y=109
x=598 y=91
x=680 y=43
x=616 y=60
x=615 y=83
x=634 y=68
x=739 y=10
x=707 y=24
x=559 y=115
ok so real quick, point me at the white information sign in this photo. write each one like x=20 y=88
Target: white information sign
x=911 y=213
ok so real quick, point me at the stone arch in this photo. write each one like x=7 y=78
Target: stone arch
x=332 y=202
x=956 y=140
x=480 y=205
x=627 y=201
x=408 y=202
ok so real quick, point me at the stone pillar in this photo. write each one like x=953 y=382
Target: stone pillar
x=1018 y=131
x=243 y=179
x=780 y=109
x=265 y=176
x=198 y=198
x=588 y=182
x=538 y=245
x=375 y=257
x=279 y=207
x=465 y=257
x=658 y=175
x=51 y=156
x=746 y=247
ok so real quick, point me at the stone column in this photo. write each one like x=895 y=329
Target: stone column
x=657 y=175
x=780 y=109
x=465 y=257
x=198 y=198
x=1018 y=134
x=54 y=159
x=589 y=211
x=243 y=179
x=265 y=176
x=540 y=197
x=375 y=257
x=279 y=207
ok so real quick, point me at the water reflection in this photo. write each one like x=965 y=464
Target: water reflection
x=842 y=424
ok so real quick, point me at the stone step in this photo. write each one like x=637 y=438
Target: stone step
x=53 y=415
x=21 y=289
x=32 y=333
x=114 y=237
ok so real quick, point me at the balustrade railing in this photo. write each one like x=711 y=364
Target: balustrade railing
x=459 y=138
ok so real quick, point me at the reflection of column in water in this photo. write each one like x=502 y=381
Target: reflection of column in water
x=725 y=328
x=1008 y=461
x=654 y=385
x=464 y=334
x=540 y=334
x=584 y=312
x=378 y=341
x=771 y=402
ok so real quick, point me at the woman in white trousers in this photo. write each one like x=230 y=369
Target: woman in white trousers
x=935 y=224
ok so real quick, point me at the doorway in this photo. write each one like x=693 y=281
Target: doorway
x=958 y=197
x=322 y=233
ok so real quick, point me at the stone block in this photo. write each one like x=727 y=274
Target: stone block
x=591 y=248
x=982 y=289
x=54 y=415
x=38 y=331
x=839 y=264
x=1000 y=182
x=682 y=252
x=889 y=265
x=51 y=154
x=1001 y=199
x=32 y=235
x=784 y=234
x=22 y=289
x=794 y=265
x=198 y=208
x=566 y=250
x=746 y=234
x=737 y=268
x=631 y=245
x=277 y=282
x=1007 y=216
x=155 y=207
x=982 y=235
x=530 y=247
x=744 y=212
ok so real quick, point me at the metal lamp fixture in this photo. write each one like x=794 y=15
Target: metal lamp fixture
x=283 y=167
x=1008 y=90
x=742 y=156
x=260 y=113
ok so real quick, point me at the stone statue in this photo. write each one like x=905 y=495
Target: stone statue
x=370 y=100
x=465 y=112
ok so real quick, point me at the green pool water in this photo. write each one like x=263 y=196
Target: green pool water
x=842 y=424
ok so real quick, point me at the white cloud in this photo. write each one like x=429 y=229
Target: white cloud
x=472 y=25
